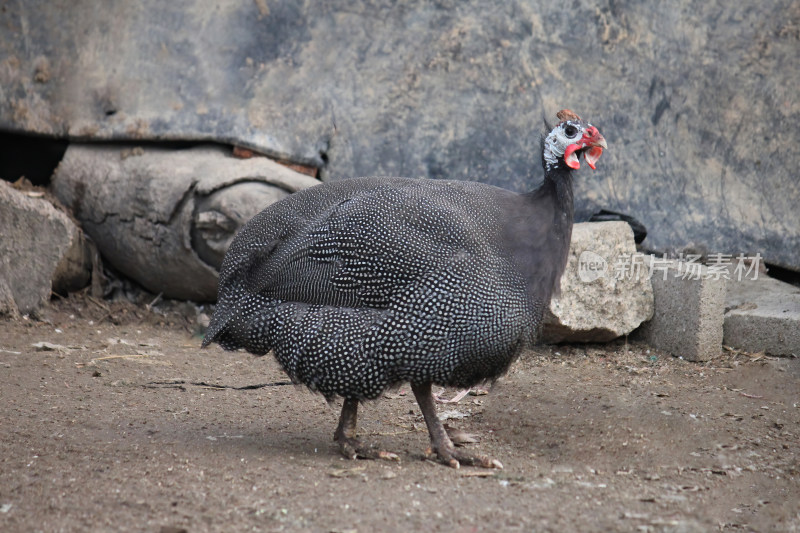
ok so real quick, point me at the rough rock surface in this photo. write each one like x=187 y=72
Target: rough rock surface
x=763 y=315
x=605 y=293
x=41 y=248
x=162 y=217
x=696 y=99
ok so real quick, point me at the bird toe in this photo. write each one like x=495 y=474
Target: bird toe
x=355 y=449
x=387 y=456
x=454 y=458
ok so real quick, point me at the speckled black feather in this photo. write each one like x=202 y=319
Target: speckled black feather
x=360 y=284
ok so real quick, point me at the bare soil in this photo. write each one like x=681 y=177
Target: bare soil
x=119 y=422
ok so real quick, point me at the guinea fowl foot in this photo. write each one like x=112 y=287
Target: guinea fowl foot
x=441 y=445
x=353 y=448
x=349 y=445
x=454 y=458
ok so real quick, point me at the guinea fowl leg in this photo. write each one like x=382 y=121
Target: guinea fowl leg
x=345 y=435
x=440 y=441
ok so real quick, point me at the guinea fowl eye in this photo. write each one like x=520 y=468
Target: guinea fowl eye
x=570 y=130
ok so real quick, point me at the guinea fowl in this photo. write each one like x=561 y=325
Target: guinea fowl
x=362 y=284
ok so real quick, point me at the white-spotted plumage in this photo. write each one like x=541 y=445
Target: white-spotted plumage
x=350 y=311
x=361 y=284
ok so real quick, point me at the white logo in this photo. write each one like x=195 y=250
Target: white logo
x=591 y=266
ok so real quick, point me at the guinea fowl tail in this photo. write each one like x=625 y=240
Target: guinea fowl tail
x=237 y=323
x=215 y=329
x=225 y=328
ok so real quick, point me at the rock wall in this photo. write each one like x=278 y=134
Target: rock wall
x=697 y=99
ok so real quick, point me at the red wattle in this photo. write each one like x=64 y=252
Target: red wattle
x=592 y=155
x=570 y=158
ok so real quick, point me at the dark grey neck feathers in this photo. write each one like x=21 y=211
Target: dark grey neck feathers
x=539 y=230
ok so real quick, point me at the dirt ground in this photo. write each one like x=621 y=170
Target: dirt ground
x=112 y=419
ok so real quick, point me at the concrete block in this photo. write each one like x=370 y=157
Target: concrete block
x=689 y=308
x=601 y=297
x=763 y=315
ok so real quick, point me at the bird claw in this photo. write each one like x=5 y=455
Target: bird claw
x=355 y=449
x=455 y=399
x=388 y=456
x=455 y=458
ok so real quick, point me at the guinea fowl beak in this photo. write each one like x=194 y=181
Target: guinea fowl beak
x=591 y=144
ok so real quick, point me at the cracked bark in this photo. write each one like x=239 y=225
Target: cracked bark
x=164 y=217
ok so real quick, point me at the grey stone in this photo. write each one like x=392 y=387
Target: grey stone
x=696 y=99
x=8 y=307
x=163 y=217
x=763 y=315
x=39 y=246
x=689 y=307
x=601 y=298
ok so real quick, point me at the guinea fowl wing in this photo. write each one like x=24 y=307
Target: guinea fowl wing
x=363 y=249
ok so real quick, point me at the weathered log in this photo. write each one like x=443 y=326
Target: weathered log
x=164 y=217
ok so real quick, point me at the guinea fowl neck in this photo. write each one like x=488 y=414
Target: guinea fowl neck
x=561 y=180
x=545 y=234
x=557 y=191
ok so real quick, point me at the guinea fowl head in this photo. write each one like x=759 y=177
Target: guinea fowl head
x=568 y=140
